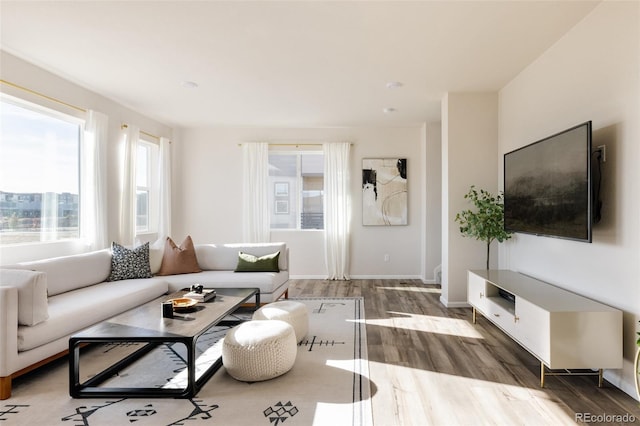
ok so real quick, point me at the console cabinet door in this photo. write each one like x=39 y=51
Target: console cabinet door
x=532 y=329
x=477 y=292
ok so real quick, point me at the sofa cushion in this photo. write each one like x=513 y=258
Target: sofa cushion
x=221 y=257
x=267 y=282
x=128 y=264
x=72 y=311
x=71 y=272
x=32 y=294
x=179 y=260
x=250 y=263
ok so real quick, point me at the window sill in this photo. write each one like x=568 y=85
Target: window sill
x=25 y=252
x=145 y=237
x=295 y=230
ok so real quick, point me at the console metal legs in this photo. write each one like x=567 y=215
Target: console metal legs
x=544 y=372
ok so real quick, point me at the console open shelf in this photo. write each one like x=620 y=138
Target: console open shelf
x=505 y=304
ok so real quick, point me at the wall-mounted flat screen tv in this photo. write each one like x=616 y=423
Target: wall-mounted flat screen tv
x=547 y=186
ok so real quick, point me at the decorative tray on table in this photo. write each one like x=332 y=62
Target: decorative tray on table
x=183 y=303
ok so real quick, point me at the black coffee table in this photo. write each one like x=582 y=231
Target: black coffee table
x=145 y=324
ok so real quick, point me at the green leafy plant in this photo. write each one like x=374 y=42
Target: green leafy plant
x=486 y=222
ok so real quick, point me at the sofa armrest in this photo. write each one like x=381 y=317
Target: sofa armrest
x=33 y=307
x=288 y=265
x=8 y=329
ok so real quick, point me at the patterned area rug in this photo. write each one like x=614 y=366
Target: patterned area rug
x=328 y=384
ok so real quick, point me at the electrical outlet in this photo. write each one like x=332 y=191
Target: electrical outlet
x=603 y=151
x=386 y=257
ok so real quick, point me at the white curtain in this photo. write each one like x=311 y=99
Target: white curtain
x=255 y=192
x=129 y=147
x=337 y=210
x=93 y=181
x=164 y=180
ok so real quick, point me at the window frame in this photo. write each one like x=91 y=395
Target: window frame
x=75 y=117
x=152 y=188
x=297 y=194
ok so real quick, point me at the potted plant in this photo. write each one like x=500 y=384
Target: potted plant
x=486 y=223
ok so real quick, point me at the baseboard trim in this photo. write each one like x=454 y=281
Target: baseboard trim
x=386 y=277
x=360 y=277
x=307 y=277
x=448 y=304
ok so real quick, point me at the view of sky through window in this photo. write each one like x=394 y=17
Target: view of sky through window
x=39 y=174
x=38 y=152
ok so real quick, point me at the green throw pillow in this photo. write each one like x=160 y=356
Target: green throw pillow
x=250 y=263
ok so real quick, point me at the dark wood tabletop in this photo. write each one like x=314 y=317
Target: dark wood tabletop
x=147 y=320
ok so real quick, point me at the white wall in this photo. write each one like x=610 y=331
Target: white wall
x=32 y=77
x=593 y=73
x=432 y=176
x=207 y=170
x=469 y=157
x=208 y=196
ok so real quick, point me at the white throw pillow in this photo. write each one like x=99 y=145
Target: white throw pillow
x=156 y=251
x=32 y=294
x=68 y=273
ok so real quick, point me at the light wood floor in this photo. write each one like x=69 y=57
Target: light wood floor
x=430 y=365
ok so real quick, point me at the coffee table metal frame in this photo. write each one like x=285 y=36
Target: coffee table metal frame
x=125 y=328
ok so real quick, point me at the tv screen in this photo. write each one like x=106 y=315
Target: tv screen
x=547 y=186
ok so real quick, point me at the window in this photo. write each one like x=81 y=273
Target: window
x=147 y=188
x=39 y=173
x=296 y=190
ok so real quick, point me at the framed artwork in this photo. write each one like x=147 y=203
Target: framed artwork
x=281 y=189
x=384 y=191
x=282 y=206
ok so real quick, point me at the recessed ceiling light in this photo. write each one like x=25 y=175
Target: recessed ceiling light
x=189 y=84
x=394 y=85
x=388 y=110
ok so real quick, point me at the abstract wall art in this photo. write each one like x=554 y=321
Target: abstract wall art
x=384 y=191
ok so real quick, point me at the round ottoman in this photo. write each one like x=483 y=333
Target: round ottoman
x=259 y=350
x=295 y=313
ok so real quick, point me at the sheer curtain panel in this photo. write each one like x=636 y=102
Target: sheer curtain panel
x=93 y=181
x=129 y=148
x=255 y=192
x=164 y=179
x=337 y=210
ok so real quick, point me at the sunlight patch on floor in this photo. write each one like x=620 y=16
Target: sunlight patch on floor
x=428 y=324
x=413 y=396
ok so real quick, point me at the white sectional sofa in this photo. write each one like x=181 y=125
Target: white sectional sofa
x=42 y=303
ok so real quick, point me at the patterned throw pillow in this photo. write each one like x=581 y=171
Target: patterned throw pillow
x=128 y=264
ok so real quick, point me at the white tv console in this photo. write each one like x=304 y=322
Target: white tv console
x=563 y=330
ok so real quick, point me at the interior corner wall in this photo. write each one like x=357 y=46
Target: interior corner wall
x=592 y=73
x=469 y=157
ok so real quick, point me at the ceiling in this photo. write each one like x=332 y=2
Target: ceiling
x=286 y=64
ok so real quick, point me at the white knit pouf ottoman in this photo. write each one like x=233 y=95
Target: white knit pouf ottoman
x=295 y=313
x=259 y=350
